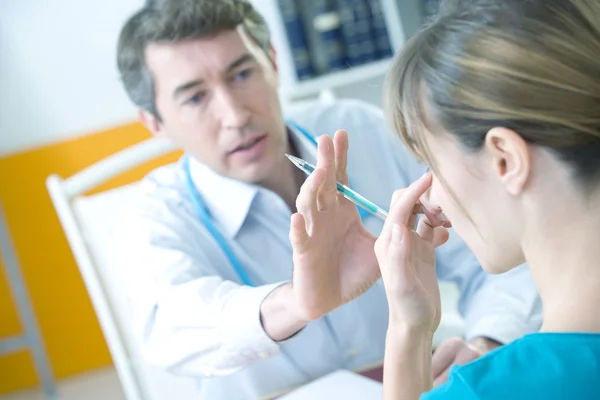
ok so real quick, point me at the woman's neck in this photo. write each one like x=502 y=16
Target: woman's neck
x=565 y=264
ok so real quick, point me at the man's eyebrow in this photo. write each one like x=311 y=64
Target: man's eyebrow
x=243 y=59
x=185 y=87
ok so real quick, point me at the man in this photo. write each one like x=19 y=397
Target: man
x=207 y=245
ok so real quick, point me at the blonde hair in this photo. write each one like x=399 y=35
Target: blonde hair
x=532 y=66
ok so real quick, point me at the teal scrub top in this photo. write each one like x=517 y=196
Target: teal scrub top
x=539 y=366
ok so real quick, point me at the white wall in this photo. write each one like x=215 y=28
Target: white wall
x=58 y=76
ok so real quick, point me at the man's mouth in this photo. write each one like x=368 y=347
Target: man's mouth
x=248 y=145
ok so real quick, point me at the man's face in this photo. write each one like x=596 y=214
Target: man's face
x=219 y=104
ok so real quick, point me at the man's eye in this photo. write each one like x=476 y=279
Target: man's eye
x=243 y=74
x=195 y=99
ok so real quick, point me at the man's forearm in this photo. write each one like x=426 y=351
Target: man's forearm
x=503 y=307
x=484 y=345
x=279 y=315
x=407 y=365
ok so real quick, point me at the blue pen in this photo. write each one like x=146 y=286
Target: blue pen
x=343 y=189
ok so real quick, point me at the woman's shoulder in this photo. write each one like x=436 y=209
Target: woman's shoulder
x=542 y=365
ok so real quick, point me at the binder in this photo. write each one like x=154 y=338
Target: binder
x=297 y=38
x=327 y=23
x=356 y=28
x=379 y=31
x=429 y=8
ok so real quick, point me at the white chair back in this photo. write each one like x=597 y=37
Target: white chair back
x=90 y=223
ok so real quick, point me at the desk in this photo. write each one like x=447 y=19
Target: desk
x=451 y=325
x=373 y=371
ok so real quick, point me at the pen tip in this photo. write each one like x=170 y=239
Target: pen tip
x=292 y=158
x=298 y=162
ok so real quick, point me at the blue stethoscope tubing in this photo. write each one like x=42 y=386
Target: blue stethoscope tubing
x=206 y=219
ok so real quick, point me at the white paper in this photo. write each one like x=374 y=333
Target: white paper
x=340 y=384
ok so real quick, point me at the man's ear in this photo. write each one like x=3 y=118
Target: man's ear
x=151 y=122
x=273 y=60
x=511 y=158
x=273 y=57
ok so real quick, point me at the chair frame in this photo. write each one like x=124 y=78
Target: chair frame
x=63 y=192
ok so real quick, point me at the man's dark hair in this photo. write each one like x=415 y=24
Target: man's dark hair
x=169 y=21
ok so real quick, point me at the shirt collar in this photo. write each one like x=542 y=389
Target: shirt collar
x=229 y=200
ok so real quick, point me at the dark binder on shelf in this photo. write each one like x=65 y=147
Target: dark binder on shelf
x=379 y=30
x=430 y=8
x=326 y=21
x=297 y=39
x=356 y=28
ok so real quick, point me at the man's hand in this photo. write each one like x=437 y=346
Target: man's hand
x=279 y=314
x=457 y=351
x=334 y=259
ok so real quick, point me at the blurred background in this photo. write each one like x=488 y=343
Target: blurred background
x=62 y=108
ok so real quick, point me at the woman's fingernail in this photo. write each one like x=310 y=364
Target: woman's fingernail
x=396 y=233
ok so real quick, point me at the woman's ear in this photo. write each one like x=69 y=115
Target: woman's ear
x=511 y=158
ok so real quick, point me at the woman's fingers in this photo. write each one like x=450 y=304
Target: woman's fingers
x=412 y=221
x=425 y=229
x=440 y=236
x=394 y=259
x=402 y=210
x=435 y=215
x=398 y=250
x=327 y=195
x=405 y=206
x=340 y=145
x=436 y=235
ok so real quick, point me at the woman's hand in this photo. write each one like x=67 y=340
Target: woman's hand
x=334 y=260
x=407 y=262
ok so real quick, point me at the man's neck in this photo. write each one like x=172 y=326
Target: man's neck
x=286 y=179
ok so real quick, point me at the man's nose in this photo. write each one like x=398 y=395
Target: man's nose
x=234 y=113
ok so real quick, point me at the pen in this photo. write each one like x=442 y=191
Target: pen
x=343 y=189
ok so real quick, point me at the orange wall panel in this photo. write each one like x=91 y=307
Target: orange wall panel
x=63 y=309
x=10 y=324
x=17 y=372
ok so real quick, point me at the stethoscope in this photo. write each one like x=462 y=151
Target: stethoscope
x=204 y=215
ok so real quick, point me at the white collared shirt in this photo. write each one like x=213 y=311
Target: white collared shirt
x=194 y=317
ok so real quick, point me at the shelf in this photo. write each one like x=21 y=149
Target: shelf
x=336 y=79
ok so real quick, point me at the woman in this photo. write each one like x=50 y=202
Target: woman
x=502 y=99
